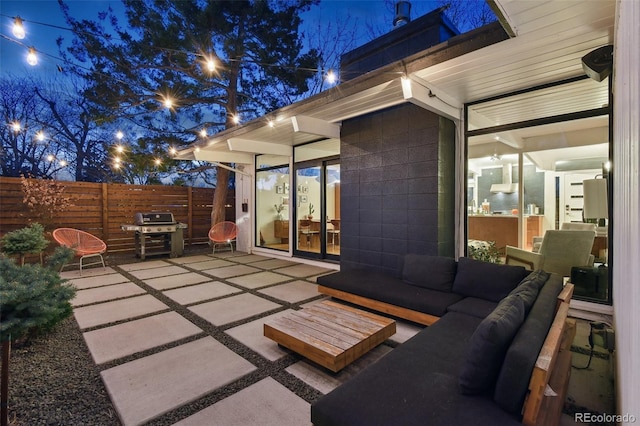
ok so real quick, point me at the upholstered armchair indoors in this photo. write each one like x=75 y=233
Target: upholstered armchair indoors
x=560 y=250
x=566 y=226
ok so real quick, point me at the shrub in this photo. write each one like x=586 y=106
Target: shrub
x=485 y=251
x=26 y=240
x=33 y=299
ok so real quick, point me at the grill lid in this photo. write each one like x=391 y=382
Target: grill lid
x=162 y=218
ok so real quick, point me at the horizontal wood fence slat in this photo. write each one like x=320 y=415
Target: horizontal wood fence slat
x=100 y=209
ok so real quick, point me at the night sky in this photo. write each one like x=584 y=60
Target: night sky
x=364 y=14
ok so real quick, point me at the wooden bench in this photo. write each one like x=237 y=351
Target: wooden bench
x=553 y=368
x=376 y=305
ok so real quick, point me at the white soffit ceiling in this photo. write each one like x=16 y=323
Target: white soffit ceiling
x=552 y=36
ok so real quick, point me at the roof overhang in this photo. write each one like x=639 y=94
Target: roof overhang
x=550 y=39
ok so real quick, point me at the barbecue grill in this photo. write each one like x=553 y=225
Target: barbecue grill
x=157 y=227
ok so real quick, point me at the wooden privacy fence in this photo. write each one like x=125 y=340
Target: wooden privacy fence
x=100 y=209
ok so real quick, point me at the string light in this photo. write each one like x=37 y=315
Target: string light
x=158 y=161
x=63 y=163
x=40 y=137
x=18 y=28
x=50 y=158
x=119 y=149
x=16 y=127
x=116 y=166
x=203 y=133
x=235 y=119
x=119 y=135
x=32 y=58
x=168 y=102
x=211 y=65
x=173 y=151
x=271 y=123
x=331 y=77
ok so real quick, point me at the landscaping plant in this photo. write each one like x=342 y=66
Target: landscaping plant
x=23 y=241
x=33 y=299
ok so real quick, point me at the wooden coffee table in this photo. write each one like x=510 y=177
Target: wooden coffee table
x=330 y=334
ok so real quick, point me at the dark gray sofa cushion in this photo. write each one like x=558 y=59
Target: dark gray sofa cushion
x=513 y=380
x=433 y=272
x=388 y=289
x=479 y=308
x=415 y=384
x=488 y=346
x=486 y=280
x=529 y=287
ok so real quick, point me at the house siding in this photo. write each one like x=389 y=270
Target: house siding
x=397 y=187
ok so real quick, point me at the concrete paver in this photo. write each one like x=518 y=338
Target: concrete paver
x=210 y=264
x=260 y=279
x=252 y=335
x=158 y=272
x=302 y=270
x=266 y=403
x=231 y=271
x=109 y=343
x=273 y=263
x=233 y=308
x=172 y=281
x=200 y=292
x=108 y=312
x=149 y=264
x=324 y=380
x=148 y=387
x=115 y=291
x=98 y=281
x=293 y=292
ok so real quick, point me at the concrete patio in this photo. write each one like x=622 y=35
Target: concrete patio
x=179 y=341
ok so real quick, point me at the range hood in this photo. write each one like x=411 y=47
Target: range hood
x=507 y=186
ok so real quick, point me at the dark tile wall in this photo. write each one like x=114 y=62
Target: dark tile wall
x=397 y=187
x=533 y=189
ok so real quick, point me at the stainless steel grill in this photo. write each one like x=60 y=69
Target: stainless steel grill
x=157 y=227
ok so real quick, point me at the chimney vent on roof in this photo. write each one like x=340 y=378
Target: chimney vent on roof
x=403 y=13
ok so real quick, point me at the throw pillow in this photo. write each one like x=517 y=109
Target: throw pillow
x=486 y=280
x=432 y=272
x=529 y=287
x=488 y=346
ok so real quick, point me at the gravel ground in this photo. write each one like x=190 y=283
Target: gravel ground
x=53 y=380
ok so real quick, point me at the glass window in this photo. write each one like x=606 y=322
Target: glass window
x=272 y=202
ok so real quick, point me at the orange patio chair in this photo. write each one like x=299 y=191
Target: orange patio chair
x=223 y=233
x=83 y=244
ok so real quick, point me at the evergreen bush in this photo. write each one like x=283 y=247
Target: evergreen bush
x=29 y=239
x=33 y=299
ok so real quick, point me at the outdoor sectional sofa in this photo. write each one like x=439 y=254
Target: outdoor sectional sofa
x=496 y=352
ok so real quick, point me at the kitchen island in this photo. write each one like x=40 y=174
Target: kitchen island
x=503 y=229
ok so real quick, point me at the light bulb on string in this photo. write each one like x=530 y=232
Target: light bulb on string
x=16 y=127
x=119 y=148
x=63 y=163
x=50 y=158
x=168 y=102
x=119 y=135
x=235 y=119
x=331 y=77
x=32 y=57
x=173 y=151
x=18 y=28
x=40 y=137
x=158 y=162
x=211 y=65
x=203 y=133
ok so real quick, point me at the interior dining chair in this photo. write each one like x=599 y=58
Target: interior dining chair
x=334 y=232
x=223 y=233
x=83 y=244
x=305 y=228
